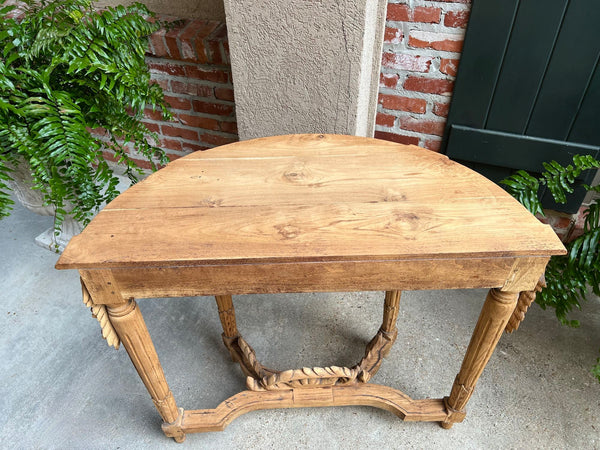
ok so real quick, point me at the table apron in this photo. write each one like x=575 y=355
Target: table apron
x=507 y=273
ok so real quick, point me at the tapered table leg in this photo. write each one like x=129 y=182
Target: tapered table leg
x=129 y=324
x=391 y=307
x=495 y=313
x=227 y=315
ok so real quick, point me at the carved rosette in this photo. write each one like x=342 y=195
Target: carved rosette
x=100 y=313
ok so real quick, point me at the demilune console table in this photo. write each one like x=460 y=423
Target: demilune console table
x=309 y=213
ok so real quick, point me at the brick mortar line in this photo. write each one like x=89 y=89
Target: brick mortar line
x=183 y=62
x=436 y=4
x=424 y=115
x=432 y=4
x=213 y=100
x=431 y=75
x=439 y=27
x=434 y=67
x=166 y=77
x=184 y=141
x=198 y=130
x=436 y=98
x=427 y=116
x=435 y=76
x=416 y=95
x=414 y=51
x=224 y=67
x=227 y=119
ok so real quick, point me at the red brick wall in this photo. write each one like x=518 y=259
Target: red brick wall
x=421 y=50
x=191 y=63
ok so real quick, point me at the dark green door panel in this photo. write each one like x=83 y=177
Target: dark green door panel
x=569 y=71
x=528 y=88
x=586 y=126
x=508 y=152
x=491 y=20
x=523 y=71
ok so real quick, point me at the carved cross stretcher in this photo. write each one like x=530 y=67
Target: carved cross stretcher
x=309 y=213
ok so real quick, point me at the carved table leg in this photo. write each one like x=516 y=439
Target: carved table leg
x=381 y=344
x=495 y=313
x=227 y=315
x=131 y=328
x=390 y=311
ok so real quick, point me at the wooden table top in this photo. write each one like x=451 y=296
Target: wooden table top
x=306 y=198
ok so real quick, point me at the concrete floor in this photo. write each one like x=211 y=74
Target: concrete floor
x=62 y=387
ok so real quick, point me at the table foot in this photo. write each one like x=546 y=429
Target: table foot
x=174 y=429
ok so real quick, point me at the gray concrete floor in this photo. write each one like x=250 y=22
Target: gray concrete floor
x=62 y=387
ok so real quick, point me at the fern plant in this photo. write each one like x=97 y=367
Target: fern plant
x=65 y=69
x=568 y=277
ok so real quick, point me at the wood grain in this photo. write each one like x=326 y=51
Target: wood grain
x=309 y=213
x=494 y=316
x=227 y=315
x=383 y=397
x=345 y=276
x=131 y=328
x=327 y=198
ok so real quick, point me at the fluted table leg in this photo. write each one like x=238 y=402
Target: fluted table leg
x=495 y=313
x=129 y=324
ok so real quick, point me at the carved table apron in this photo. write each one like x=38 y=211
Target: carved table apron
x=309 y=213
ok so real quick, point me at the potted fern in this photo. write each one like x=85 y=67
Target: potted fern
x=568 y=277
x=67 y=69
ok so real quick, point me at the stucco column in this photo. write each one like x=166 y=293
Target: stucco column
x=305 y=66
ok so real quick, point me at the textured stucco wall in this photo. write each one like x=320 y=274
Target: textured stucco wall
x=189 y=9
x=304 y=66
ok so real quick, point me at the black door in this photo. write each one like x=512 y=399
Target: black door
x=528 y=89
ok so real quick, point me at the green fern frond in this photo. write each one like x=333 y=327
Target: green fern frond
x=65 y=69
x=524 y=187
x=568 y=277
x=6 y=201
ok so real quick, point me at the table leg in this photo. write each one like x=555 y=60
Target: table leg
x=129 y=324
x=227 y=315
x=495 y=313
x=391 y=307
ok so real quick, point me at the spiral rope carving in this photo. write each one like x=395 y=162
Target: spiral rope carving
x=525 y=300
x=100 y=313
x=260 y=378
